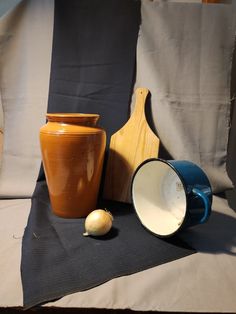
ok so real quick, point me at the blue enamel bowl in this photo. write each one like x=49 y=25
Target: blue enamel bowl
x=170 y=195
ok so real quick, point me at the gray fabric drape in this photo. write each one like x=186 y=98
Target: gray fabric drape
x=25 y=48
x=184 y=57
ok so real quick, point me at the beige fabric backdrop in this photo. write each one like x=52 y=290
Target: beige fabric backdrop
x=184 y=56
x=25 y=43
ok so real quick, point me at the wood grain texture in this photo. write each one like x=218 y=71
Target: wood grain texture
x=129 y=146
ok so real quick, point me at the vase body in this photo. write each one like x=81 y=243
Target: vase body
x=72 y=152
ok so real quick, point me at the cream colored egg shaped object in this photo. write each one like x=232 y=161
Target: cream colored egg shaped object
x=98 y=223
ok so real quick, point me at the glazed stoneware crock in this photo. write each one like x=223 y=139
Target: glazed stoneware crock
x=72 y=149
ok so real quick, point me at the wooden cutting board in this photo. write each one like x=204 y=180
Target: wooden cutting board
x=129 y=146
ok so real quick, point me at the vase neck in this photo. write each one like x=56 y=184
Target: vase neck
x=85 y=119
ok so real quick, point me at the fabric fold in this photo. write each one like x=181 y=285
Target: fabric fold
x=184 y=57
x=58 y=260
x=92 y=71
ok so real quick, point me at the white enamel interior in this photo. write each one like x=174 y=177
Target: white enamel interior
x=159 y=198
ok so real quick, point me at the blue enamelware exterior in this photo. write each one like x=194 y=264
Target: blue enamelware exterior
x=199 y=195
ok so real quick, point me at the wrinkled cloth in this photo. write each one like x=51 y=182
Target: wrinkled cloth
x=93 y=59
x=26 y=46
x=58 y=260
x=92 y=71
x=184 y=57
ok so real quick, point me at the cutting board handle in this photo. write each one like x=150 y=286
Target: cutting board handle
x=139 y=108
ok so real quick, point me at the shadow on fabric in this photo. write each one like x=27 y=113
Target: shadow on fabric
x=217 y=236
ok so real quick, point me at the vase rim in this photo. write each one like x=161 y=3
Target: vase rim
x=72 y=115
x=89 y=119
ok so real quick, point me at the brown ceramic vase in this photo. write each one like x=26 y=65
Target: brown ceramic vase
x=72 y=151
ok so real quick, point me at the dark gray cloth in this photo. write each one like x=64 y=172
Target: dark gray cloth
x=58 y=260
x=93 y=61
x=93 y=64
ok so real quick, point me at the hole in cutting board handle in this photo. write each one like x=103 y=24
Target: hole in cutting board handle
x=149 y=115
